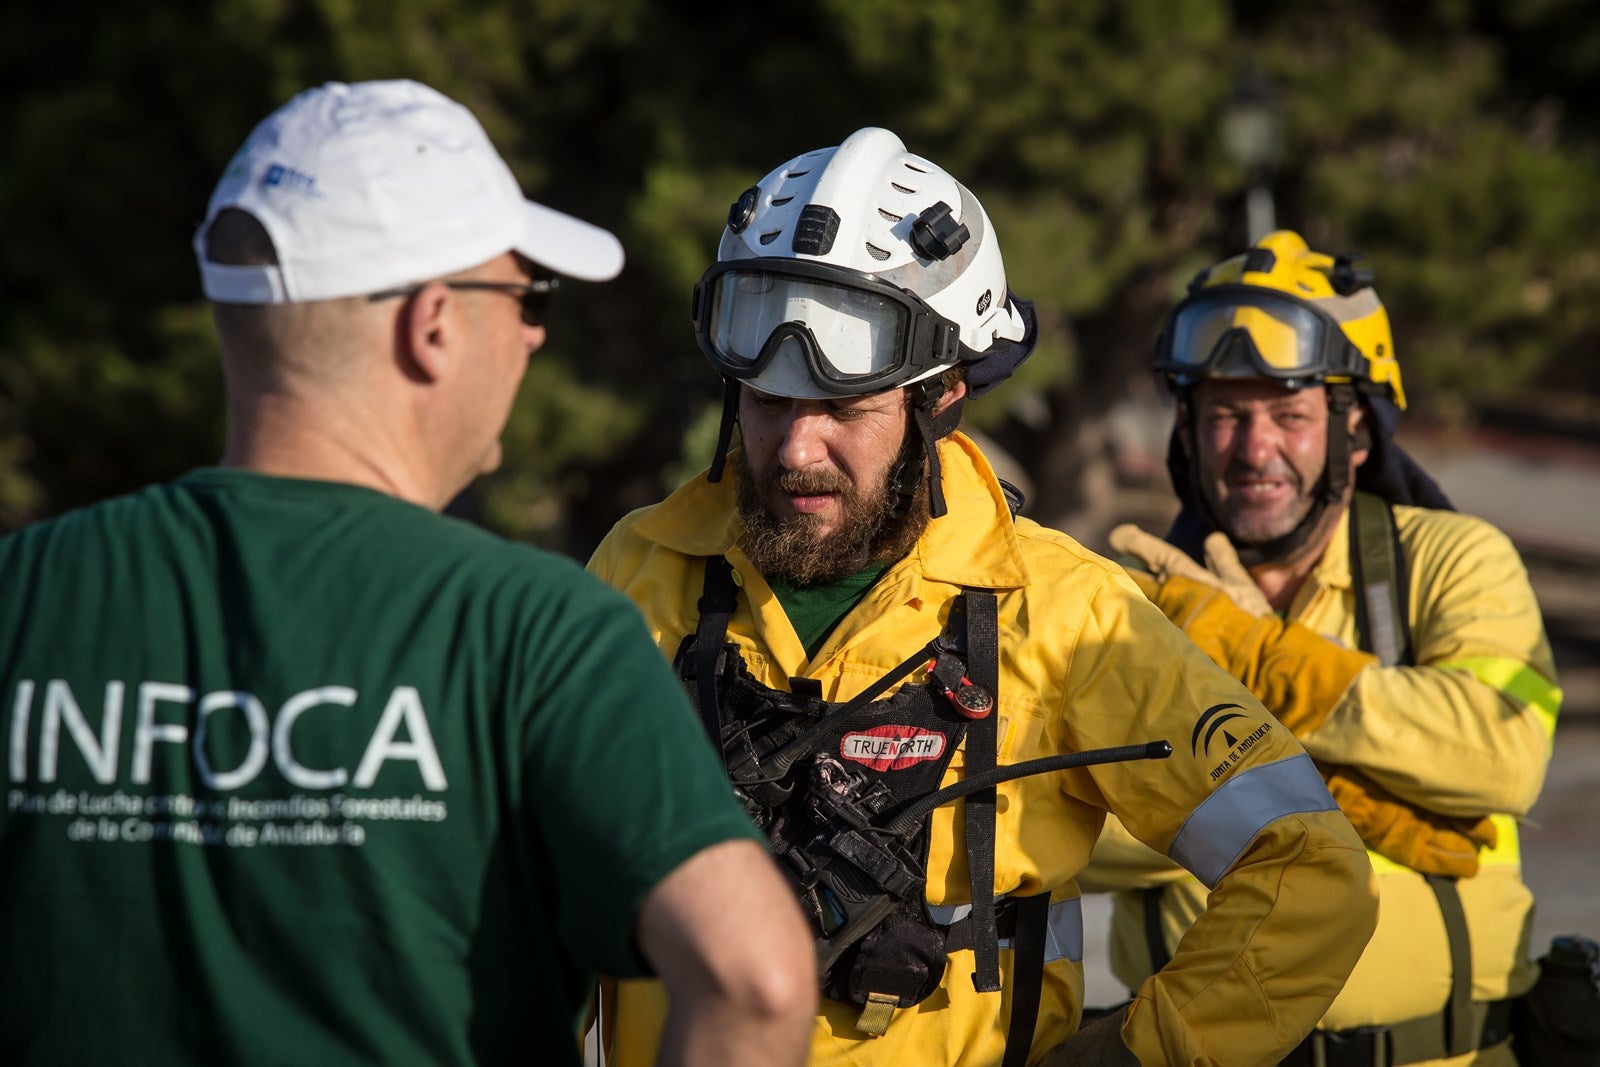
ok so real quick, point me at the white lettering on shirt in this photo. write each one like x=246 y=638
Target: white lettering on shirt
x=146 y=731
x=404 y=704
x=255 y=716
x=283 y=751
x=99 y=752
x=21 y=708
x=401 y=733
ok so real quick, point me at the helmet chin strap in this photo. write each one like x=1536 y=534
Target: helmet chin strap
x=730 y=415
x=925 y=396
x=1281 y=549
x=1330 y=488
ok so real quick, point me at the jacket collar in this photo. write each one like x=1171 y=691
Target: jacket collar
x=974 y=545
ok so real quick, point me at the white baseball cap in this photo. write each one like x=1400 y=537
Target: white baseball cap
x=379 y=185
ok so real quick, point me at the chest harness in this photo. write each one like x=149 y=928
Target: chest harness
x=845 y=794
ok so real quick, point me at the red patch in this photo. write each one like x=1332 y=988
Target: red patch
x=891 y=748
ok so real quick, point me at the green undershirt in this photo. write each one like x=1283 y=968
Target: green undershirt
x=814 y=610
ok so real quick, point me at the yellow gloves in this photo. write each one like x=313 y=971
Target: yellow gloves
x=1421 y=840
x=1222 y=570
x=1296 y=672
x=1300 y=676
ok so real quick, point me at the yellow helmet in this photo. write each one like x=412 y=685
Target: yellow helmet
x=1284 y=312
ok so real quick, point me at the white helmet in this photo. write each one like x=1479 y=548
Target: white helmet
x=852 y=270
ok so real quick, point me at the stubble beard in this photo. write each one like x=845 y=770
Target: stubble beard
x=790 y=548
x=1249 y=526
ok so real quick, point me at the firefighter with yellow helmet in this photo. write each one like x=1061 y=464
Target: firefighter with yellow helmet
x=1397 y=638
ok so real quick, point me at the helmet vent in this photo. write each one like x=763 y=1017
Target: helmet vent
x=887 y=216
x=919 y=170
x=797 y=173
x=901 y=188
x=770 y=236
x=875 y=252
x=779 y=201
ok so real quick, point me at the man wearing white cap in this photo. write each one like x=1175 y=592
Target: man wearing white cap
x=297 y=770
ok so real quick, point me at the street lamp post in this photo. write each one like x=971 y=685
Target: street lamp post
x=1252 y=139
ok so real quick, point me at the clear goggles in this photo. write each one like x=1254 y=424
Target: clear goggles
x=854 y=333
x=1232 y=331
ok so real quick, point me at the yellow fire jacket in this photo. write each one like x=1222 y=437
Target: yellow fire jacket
x=1465 y=732
x=1085 y=662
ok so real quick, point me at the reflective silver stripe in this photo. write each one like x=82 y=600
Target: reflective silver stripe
x=1063 y=939
x=948 y=914
x=1219 y=830
x=1064 y=932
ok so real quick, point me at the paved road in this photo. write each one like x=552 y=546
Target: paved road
x=1561 y=841
x=1542 y=491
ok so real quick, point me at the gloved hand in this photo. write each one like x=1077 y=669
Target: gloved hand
x=1097 y=1045
x=1223 y=569
x=1296 y=672
x=1419 y=839
x=1222 y=559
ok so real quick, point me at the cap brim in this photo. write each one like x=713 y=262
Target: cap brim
x=569 y=246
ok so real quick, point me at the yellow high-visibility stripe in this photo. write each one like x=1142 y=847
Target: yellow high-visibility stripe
x=1517 y=680
x=1507 y=851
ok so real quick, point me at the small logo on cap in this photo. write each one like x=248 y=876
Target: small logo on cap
x=291 y=180
x=985 y=300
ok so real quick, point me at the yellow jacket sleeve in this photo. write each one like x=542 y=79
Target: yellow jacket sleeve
x=1467 y=730
x=1243 y=808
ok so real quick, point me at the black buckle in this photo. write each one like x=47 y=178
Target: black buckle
x=1362 y=1046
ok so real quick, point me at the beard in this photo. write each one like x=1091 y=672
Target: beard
x=790 y=549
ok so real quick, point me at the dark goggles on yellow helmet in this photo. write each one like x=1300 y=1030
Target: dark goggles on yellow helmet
x=853 y=333
x=1243 y=331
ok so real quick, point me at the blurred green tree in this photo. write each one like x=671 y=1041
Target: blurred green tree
x=1453 y=141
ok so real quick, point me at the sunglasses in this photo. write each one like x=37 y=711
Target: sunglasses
x=534 y=296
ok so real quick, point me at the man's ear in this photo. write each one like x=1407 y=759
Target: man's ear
x=1183 y=422
x=426 y=330
x=952 y=393
x=1360 y=436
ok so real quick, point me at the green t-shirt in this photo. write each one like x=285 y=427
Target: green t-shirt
x=814 y=610
x=296 y=772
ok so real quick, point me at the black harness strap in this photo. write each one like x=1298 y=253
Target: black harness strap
x=1383 y=621
x=1459 y=1035
x=1383 y=625
x=1027 y=976
x=983 y=667
x=1029 y=915
x=718 y=599
x=1378 y=572
x=1155 y=938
